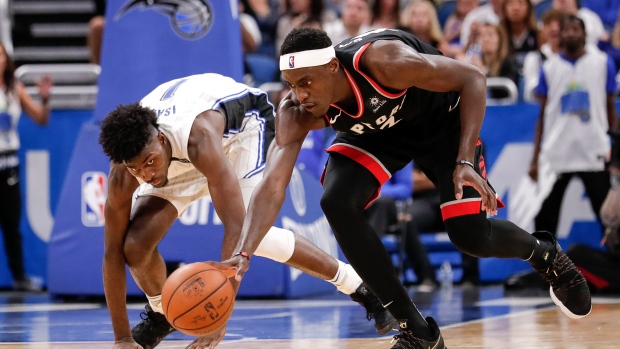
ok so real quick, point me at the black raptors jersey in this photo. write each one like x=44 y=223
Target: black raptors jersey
x=378 y=108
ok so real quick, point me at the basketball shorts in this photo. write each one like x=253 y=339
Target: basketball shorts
x=435 y=153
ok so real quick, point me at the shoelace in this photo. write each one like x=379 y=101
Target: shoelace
x=561 y=265
x=150 y=322
x=406 y=340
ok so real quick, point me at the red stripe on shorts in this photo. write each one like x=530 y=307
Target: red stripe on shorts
x=363 y=158
x=460 y=208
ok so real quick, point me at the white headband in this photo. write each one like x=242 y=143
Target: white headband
x=304 y=59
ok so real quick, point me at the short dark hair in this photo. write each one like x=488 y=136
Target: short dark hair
x=304 y=39
x=126 y=131
x=572 y=18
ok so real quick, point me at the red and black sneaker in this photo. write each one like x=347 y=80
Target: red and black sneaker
x=569 y=289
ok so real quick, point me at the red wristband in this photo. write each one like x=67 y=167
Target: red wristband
x=242 y=254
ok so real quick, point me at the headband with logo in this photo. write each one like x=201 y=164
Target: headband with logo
x=305 y=59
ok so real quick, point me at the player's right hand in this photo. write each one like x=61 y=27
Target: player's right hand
x=230 y=267
x=126 y=343
x=241 y=265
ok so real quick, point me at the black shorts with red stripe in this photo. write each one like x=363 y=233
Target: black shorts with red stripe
x=435 y=153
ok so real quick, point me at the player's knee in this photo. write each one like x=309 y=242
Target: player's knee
x=135 y=250
x=337 y=206
x=467 y=234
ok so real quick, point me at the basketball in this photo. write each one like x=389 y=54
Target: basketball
x=198 y=298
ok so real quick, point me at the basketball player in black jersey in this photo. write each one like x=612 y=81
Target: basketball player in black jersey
x=394 y=99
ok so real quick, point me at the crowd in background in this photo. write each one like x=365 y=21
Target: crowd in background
x=495 y=35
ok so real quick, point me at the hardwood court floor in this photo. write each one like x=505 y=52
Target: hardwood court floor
x=509 y=323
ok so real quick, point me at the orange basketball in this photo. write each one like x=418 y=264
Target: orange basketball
x=198 y=299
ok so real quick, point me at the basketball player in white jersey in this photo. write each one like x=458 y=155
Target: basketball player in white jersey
x=191 y=137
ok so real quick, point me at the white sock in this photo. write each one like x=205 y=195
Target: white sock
x=155 y=303
x=346 y=280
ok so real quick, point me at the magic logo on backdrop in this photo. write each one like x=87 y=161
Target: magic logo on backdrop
x=190 y=19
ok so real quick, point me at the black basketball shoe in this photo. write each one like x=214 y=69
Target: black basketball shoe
x=152 y=329
x=569 y=289
x=384 y=321
x=406 y=340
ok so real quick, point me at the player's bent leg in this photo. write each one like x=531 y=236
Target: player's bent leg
x=151 y=218
x=481 y=237
x=294 y=250
x=150 y=221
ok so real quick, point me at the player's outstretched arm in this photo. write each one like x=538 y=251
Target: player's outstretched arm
x=409 y=68
x=292 y=125
x=207 y=155
x=121 y=185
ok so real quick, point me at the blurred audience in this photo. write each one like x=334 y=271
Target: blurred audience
x=489 y=13
x=385 y=14
x=550 y=35
x=594 y=26
x=576 y=110
x=94 y=38
x=493 y=59
x=13 y=100
x=611 y=45
x=452 y=27
x=266 y=13
x=355 y=20
x=420 y=19
x=302 y=14
x=519 y=22
x=250 y=32
x=605 y=9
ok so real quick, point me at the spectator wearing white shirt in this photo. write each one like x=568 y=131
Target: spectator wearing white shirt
x=577 y=109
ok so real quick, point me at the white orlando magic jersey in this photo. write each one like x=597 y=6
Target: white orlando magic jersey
x=178 y=102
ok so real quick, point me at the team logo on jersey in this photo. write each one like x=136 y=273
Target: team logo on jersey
x=291 y=62
x=376 y=103
x=190 y=19
x=94 y=194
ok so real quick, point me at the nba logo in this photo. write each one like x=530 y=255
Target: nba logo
x=94 y=194
x=291 y=62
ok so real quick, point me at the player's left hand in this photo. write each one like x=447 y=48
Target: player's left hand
x=466 y=176
x=209 y=341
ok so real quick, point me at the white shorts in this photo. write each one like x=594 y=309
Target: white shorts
x=244 y=150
